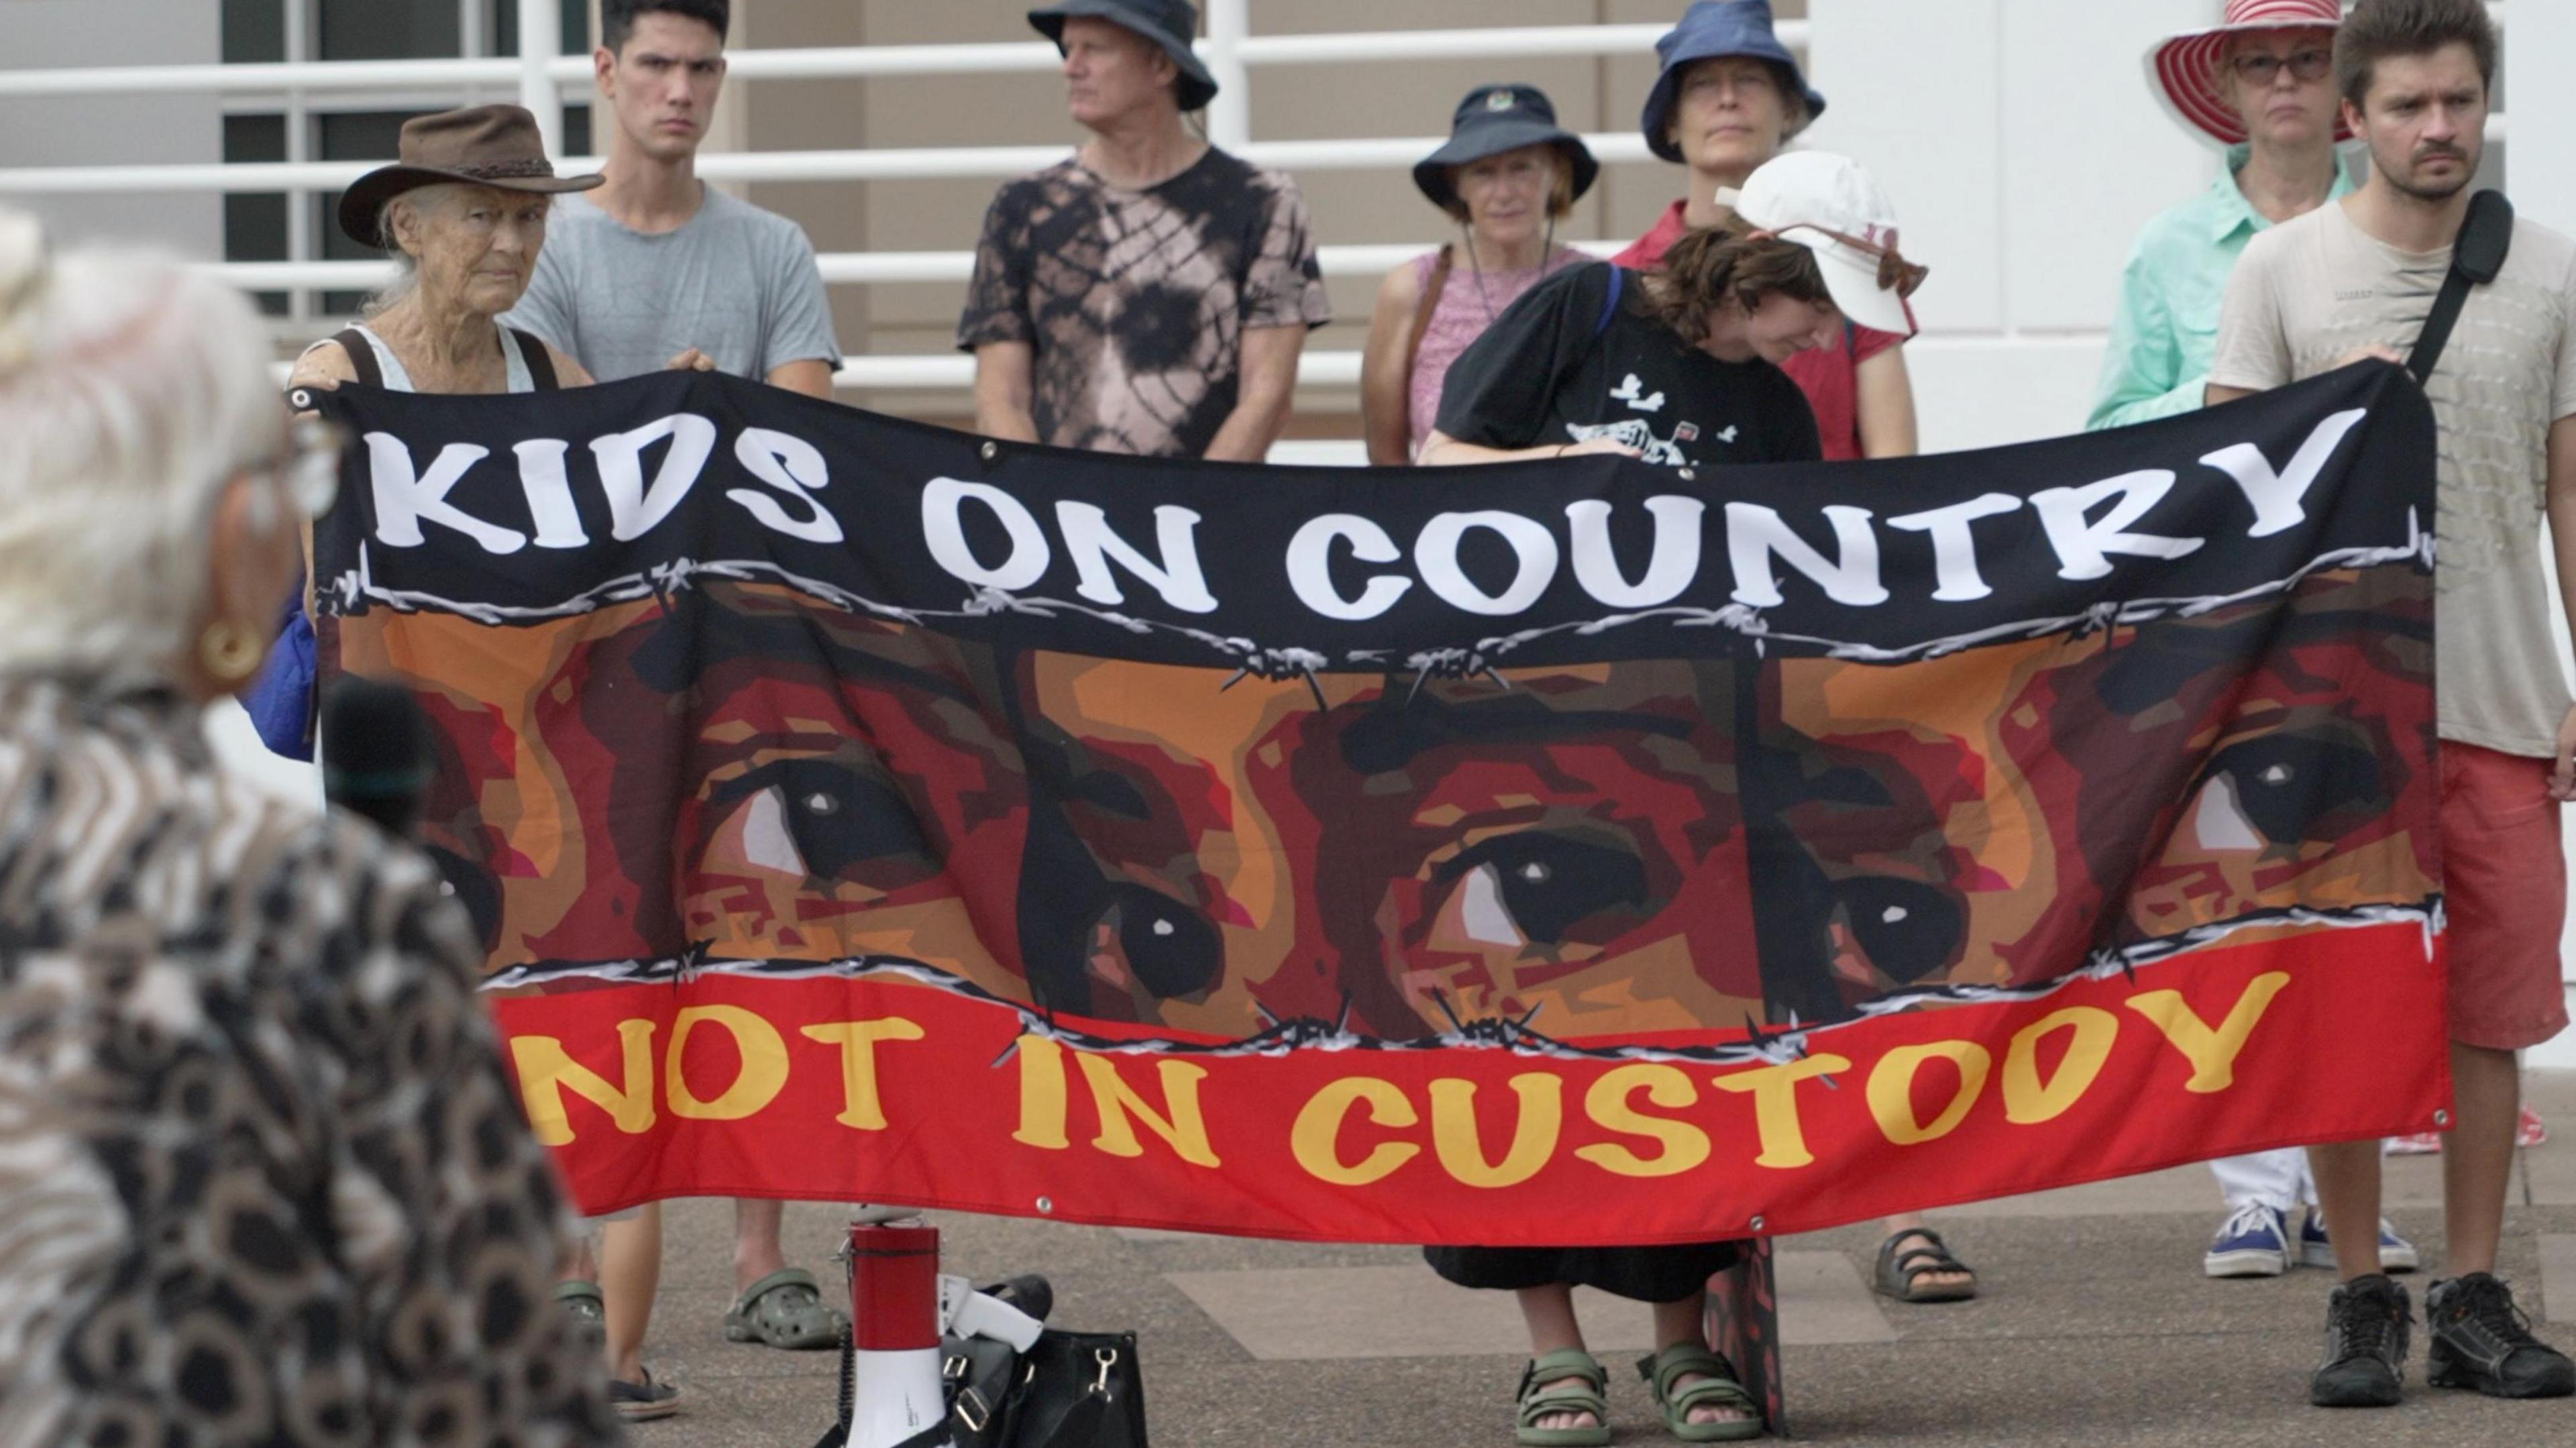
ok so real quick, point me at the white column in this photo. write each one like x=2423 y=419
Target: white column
x=540 y=36
x=1229 y=116
x=2540 y=176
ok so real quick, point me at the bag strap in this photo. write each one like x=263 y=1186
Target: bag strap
x=2477 y=255
x=1610 y=299
x=541 y=363
x=1431 y=291
x=362 y=356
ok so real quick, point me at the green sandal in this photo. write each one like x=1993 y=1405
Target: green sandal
x=785 y=1309
x=581 y=1300
x=1537 y=1402
x=1717 y=1389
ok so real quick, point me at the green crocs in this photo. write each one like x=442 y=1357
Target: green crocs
x=582 y=1302
x=785 y=1309
x=1717 y=1388
x=1538 y=1401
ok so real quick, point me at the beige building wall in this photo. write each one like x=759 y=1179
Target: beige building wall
x=1302 y=102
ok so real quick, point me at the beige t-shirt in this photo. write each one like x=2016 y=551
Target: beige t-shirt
x=2311 y=290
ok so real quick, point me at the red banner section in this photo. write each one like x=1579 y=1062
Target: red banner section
x=883 y=1089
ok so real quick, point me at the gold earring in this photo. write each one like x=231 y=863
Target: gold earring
x=229 y=652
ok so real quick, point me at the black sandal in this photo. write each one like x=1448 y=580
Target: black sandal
x=1900 y=1272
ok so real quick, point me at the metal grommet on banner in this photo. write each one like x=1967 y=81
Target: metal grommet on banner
x=1757 y=1223
x=1690 y=475
x=301 y=399
x=991 y=450
x=2441 y=1118
x=1046 y=1205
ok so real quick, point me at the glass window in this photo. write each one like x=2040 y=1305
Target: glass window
x=504 y=29
x=378 y=30
x=254 y=31
x=255 y=226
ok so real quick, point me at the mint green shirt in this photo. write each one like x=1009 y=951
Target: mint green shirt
x=2166 y=328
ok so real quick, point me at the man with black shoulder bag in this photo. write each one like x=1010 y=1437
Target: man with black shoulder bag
x=2488 y=305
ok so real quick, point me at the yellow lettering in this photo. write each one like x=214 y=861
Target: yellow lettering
x=1684 y=1145
x=547 y=1071
x=764 y=1064
x=1184 y=1130
x=861 y=1106
x=1774 y=1090
x=2212 y=1053
x=1041 y=1095
x=1454 y=1137
x=2029 y=1101
x=1891 y=1089
x=1315 y=1139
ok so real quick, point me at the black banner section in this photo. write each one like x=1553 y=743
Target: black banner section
x=518 y=509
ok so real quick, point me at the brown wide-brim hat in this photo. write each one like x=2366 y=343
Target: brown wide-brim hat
x=480 y=146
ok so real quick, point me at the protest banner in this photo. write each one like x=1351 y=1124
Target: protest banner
x=1567 y=851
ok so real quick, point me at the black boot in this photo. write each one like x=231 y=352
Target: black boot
x=2366 y=1322
x=2481 y=1340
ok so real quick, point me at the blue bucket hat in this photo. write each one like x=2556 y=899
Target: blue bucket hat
x=1498 y=118
x=1709 y=29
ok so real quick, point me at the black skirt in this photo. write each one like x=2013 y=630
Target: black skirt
x=1648 y=1274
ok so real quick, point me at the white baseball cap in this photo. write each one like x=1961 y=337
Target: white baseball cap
x=1829 y=205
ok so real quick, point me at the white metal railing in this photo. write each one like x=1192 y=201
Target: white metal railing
x=541 y=75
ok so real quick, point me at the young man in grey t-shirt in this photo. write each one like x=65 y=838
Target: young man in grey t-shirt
x=656 y=264
x=660 y=270
x=2355 y=279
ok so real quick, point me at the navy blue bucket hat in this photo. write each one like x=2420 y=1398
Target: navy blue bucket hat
x=1708 y=30
x=1167 y=23
x=1494 y=119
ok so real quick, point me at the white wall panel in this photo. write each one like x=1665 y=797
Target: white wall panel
x=1972 y=392
x=1914 y=92
x=2540 y=41
x=2089 y=154
x=112 y=130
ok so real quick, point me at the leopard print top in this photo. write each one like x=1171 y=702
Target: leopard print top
x=262 y=1179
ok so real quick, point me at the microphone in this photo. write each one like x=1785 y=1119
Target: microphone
x=376 y=755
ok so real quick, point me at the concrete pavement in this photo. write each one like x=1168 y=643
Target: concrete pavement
x=2095 y=1329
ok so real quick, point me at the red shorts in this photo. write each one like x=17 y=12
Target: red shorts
x=2505 y=894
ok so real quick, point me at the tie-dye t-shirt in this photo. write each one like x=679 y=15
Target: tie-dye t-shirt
x=1134 y=303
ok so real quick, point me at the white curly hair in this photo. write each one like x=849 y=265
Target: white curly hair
x=131 y=390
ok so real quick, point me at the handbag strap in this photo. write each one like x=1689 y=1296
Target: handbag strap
x=362 y=356
x=2477 y=255
x=540 y=362
x=1431 y=291
x=1610 y=300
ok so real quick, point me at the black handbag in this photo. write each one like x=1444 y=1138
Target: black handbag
x=1078 y=1390
x=980 y=1376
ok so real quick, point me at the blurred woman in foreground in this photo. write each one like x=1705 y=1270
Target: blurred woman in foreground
x=262 y=1178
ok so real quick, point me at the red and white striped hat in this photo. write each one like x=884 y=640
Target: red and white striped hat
x=2185 y=68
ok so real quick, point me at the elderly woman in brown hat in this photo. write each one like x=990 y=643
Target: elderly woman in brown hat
x=464 y=213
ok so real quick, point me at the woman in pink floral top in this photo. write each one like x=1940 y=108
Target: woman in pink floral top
x=1507 y=174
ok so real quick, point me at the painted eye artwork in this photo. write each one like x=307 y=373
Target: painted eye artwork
x=1574 y=847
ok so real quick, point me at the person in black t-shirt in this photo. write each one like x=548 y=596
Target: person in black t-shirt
x=1678 y=366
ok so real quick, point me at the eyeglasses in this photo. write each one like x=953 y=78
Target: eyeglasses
x=1895 y=273
x=307 y=469
x=2261 y=68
